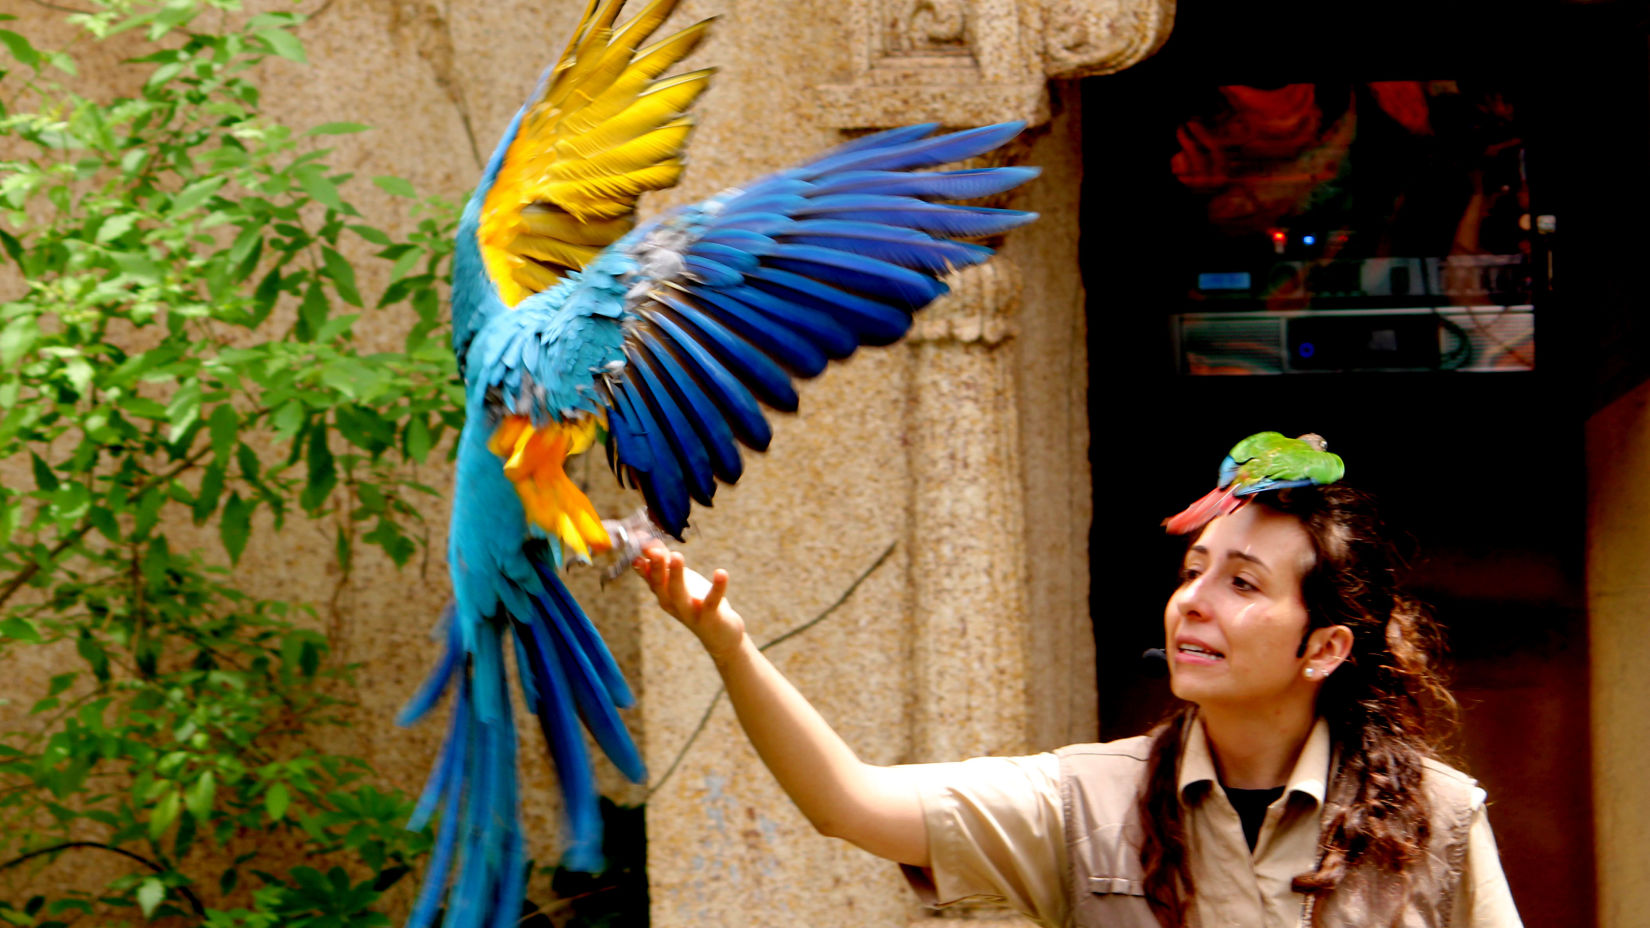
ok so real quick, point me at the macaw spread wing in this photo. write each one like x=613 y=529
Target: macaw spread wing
x=733 y=297
x=687 y=327
x=605 y=129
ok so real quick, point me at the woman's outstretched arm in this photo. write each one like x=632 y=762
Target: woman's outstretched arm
x=875 y=808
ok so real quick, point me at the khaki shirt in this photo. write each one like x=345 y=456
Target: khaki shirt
x=996 y=831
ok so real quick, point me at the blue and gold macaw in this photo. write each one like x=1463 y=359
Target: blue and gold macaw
x=573 y=327
x=1263 y=461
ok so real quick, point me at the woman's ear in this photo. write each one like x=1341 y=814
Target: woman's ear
x=1327 y=649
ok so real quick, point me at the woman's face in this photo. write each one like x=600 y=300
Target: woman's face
x=1235 y=623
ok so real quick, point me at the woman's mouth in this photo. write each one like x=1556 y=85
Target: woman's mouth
x=1197 y=654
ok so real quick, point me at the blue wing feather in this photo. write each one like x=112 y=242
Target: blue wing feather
x=822 y=331
x=944 y=185
x=711 y=271
x=752 y=367
x=773 y=339
x=873 y=322
x=690 y=453
x=707 y=417
x=878 y=279
x=663 y=487
x=744 y=416
x=918 y=153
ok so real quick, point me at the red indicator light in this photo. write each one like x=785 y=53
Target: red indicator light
x=1278 y=235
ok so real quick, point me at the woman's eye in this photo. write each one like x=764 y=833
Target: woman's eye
x=1243 y=584
x=1188 y=574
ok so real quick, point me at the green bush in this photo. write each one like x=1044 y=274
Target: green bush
x=177 y=345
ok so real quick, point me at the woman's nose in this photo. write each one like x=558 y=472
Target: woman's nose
x=1191 y=601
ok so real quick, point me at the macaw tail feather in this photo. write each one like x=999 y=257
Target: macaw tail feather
x=1216 y=502
x=478 y=866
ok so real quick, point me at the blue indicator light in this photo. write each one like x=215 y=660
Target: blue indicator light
x=1309 y=240
x=1307 y=349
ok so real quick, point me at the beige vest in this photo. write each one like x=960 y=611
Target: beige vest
x=1103 y=839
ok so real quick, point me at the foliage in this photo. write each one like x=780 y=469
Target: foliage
x=178 y=345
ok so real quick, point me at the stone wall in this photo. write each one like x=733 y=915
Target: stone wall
x=944 y=481
x=1618 y=606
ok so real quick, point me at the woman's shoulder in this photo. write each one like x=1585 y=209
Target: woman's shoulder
x=1115 y=762
x=1123 y=751
x=1451 y=787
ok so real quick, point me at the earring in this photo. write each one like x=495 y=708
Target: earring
x=1310 y=673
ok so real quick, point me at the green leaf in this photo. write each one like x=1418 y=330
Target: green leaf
x=17 y=628
x=206 y=499
x=314 y=182
x=395 y=543
x=224 y=425
x=195 y=194
x=277 y=800
x=184 y=409
x=337 y=128
x=312 y=312
x=395 y=186
x=288 y=418
x=61 y=682
x=43 y=476
x=13 y=247
x=19 y=47
x=164 y=814
x=285 y=44
x=415 y=439
x=375 y=236
x=156 y=558
x=115 y=226
x=16 y=339
x=92 y=651
x=200 y=796
x=323 y=474
x=342 y=549
x=235 y=526
x=149 y=895
x=342 y=274
x=365 y=428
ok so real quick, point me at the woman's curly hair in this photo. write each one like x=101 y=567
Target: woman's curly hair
x=1386 y=706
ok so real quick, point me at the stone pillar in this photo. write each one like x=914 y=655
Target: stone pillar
x=968 y=589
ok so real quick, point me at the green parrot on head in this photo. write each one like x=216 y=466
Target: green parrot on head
x=1263 y=461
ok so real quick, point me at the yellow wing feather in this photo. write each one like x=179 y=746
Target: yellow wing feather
x=606 y=130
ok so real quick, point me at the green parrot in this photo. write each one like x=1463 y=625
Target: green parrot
x=1263 y=461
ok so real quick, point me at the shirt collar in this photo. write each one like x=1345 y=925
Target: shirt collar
x=1310 y=776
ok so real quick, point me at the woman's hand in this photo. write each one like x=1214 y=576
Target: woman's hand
x=694 y=601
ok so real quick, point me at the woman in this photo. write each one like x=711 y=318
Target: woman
x=1295 y=786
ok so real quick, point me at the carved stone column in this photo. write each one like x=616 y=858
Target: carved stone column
x=967 y=523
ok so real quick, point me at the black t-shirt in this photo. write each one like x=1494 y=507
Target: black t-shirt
x=1251 y=807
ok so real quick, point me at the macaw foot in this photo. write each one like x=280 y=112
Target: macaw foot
x=534 y=459
x=629 y=535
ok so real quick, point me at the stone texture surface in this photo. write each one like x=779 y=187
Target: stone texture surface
x=964 y=450
x=1618 y=605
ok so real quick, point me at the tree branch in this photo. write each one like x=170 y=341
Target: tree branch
x=194 y=901
x=80 y=531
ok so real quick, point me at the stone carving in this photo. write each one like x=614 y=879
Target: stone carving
x=1102 y=36
x=980 y=308
x=930 y=26
x=966 y=62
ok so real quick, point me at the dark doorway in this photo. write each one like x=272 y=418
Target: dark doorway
x=1485 y=470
